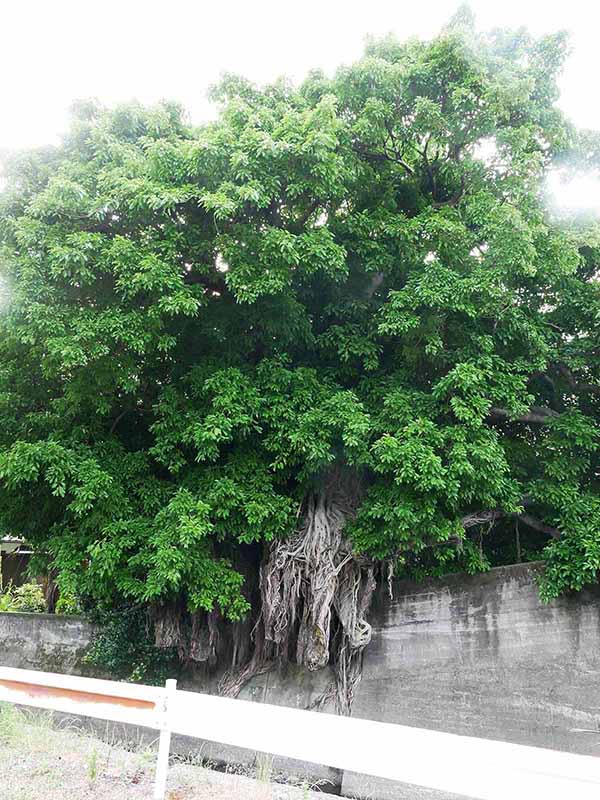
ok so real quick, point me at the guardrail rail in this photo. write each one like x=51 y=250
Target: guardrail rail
x=476 y=768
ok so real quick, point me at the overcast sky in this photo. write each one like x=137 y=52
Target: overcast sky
x=55 y=51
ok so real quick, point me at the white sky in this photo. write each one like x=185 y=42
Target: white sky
x=55 y=51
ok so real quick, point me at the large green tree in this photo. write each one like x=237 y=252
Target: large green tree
x=245 y=365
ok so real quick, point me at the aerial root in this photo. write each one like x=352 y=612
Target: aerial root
x=315 y=596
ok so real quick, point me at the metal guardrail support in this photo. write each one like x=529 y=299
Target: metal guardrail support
x=164 y=743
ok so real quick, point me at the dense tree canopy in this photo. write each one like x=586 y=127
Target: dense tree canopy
x=351 y=289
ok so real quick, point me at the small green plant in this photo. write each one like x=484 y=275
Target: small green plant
x=67 y=604
x=6 y=599
x=29 y=597
x=92 y=765
x=264 y=767
x=10 y=723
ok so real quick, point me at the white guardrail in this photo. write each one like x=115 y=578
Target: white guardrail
x=477 y=768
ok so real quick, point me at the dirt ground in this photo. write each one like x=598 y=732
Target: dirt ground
x=40 y=762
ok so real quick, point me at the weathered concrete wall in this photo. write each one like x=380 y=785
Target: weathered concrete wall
x=474 y=655
x=43 y=641
x=482 y=656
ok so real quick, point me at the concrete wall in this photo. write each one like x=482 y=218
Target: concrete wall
x=43 y=641
x=474 y=655
x=482 y=656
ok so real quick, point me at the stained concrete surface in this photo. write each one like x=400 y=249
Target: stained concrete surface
x=46 y=642
x=482 y=656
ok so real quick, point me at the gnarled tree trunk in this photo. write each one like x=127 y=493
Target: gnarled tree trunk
x=315 y=595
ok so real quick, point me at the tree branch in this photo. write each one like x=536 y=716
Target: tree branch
x=538 y=414
x=304 y=217
x=385 y=156
x=376 y=282
x=481 y=518
x=113 y=427
x=486 y=517
x=396 y=155
x=538 y=525
x=456 y=197
x=593 y=388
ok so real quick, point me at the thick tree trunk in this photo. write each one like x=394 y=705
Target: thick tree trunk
x=315 y=595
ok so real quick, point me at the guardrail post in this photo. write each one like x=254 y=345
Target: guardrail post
x=164 y=744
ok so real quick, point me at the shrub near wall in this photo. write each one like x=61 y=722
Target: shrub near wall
x=27 y=598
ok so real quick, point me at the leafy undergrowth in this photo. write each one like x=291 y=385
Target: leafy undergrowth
x=29 y=597
x=39 y=761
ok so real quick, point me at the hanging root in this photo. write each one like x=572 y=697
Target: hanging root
x=298 y=586
x=195 y=636
x=203 y=640
x=234 y=680
x=167 y=625
x=315 y=595
x=352 y=602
